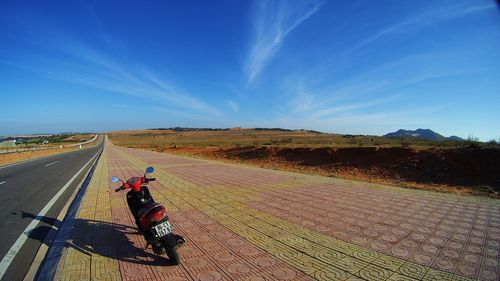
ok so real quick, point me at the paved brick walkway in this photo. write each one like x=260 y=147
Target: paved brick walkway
x=245 y=223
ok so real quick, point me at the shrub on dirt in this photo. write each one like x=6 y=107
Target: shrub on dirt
x=472 y=142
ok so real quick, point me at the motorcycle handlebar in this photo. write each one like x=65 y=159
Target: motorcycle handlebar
x=123 y=187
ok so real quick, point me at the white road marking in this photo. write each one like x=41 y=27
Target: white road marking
x=11 y=254
x=2 y=182
x=50 y=164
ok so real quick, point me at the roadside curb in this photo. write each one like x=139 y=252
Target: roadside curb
x=48 y=266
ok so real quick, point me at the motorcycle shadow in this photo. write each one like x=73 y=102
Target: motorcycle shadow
x=115 y=241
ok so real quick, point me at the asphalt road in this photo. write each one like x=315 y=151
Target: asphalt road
x=25 y=189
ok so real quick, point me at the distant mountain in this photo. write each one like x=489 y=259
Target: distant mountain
x=455 y=138
x=425 y=134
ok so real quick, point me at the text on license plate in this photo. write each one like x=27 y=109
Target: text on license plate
x=163 y=228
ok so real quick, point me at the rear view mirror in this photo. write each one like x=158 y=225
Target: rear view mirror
x=115 y=179
x=149 y=170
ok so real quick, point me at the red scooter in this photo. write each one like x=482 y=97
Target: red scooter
x=151 y=218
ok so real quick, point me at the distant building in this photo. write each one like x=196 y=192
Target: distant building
x=8 y=143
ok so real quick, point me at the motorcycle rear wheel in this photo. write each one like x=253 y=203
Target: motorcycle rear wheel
x=170 y=247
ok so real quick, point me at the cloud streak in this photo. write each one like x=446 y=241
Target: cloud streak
x=332 y=110
x=425 y=18
x=74 y=61
x=274 y=20
x=354 y=123
x=367 y=99
x=233 y=105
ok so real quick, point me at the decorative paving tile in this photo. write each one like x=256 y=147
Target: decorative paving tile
x=245 y=223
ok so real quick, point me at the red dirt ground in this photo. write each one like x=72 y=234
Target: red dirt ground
x=474 y=171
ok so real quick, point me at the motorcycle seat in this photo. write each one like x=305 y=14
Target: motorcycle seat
x=152 y=207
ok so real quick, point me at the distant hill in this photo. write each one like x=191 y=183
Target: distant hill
x=455 y=138
x=425 y=134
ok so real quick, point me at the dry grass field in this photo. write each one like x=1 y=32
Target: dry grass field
x=251 y=137
x=444 y=166
x=78 y=138
x=9 y=158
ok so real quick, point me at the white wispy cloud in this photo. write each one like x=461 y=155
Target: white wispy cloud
x=303 y=100
x=365 y=99
x=173 y=112
x=337 y=97
x=433 y=76
x=125 y=80
x=332 y=110
x=426 y=17
x=233 y=105
x=273 y=21
x=352 y=122
x=75 y=61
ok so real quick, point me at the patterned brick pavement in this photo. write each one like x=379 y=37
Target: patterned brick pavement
x=244 y=223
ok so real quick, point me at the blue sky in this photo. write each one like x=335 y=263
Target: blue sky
x=362 y=67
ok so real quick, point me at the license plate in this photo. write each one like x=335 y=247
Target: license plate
x=163 y=229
